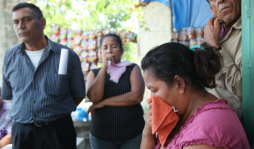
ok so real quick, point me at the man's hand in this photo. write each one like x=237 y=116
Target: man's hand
x=212 y=32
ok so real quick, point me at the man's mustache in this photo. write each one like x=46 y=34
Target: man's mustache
x=224 y=5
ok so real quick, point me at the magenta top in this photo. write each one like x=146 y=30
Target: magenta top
x=214 y=124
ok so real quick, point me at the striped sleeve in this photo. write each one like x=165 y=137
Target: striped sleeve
x=6 y=92
x=77 y=82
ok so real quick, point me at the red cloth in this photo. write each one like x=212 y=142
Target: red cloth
x=164 y=118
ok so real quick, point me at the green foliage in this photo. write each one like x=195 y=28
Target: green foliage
x=129 y=52
x=89 y=14
x=92 y=14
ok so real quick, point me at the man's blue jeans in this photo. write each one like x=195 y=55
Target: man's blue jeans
x=133 y=143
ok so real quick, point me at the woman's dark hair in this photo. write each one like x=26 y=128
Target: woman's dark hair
x=170 y=59
x=34 y=8
x=117 y=38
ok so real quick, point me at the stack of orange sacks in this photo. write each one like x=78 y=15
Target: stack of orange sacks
x=164 y=118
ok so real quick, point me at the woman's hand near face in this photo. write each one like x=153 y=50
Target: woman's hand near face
x=148 y=125
x=148 y=139
x=95 y=90
x=106 y=58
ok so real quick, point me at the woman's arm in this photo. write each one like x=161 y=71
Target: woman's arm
x=95 y=86
x=5 y=141
x=133 y=97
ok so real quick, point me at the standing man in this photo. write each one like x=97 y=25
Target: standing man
x=224 y=31
x=42 y=97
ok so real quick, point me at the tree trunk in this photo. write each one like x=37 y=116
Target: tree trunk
x=8 y=37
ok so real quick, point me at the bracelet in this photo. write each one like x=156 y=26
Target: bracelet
x=217 y=49
x=220 y=48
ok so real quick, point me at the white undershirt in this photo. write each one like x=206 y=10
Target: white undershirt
x=35 y=56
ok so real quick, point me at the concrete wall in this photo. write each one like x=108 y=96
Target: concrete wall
x=157 y=17
x=8 y=37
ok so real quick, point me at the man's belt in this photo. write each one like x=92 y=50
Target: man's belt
x=39 y=124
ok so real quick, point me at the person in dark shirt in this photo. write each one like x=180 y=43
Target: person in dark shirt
x=116 y=90
x=43 y=91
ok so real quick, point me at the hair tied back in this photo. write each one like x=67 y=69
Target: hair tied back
x=193 y=48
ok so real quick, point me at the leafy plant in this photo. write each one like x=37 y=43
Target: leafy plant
x=92 y=14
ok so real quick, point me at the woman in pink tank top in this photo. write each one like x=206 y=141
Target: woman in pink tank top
x=181 y=77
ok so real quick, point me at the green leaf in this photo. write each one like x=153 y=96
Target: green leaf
x=91 y=14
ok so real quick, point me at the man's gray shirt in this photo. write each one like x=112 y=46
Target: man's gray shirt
x=41 y=94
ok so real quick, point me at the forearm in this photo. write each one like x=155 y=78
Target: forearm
x=5 y=141
x=133 y=97
x=96 y=91
x=78 y=100
x=127 y=99
x=148 y=139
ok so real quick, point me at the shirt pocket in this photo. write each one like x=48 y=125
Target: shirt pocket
x=56 y=84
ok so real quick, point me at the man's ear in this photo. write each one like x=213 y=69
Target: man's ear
x=43 y=22
x=180 y=83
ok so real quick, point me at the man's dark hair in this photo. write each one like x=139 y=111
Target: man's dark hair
x=208 y=1
x=34 y=8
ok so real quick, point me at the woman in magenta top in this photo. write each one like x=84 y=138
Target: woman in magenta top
x=179 y=76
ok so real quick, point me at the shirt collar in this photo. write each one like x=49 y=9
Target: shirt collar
x=238 y=24
x=48 y=46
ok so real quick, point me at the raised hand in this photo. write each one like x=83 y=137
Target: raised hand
x=212 y=32
x=106 y=58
